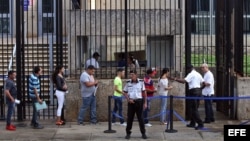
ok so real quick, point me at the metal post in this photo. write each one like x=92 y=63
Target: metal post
x=2 y=114
x=109 y=117
x=171 y=115
x=126 y=37
x=18 y=55
x=188 y=6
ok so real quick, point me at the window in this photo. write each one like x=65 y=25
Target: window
x=5 y=16
x=246 y=19
x=47 y=16
x=203 y=17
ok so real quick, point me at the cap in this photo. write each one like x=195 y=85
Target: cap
x=96 y=54
x=151 y=71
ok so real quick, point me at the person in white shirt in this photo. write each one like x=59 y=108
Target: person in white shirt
x=194 y=80
x=163 y=87
x=208 y=91
x=93 y=61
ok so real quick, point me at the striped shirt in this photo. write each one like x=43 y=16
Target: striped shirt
x=34 y=82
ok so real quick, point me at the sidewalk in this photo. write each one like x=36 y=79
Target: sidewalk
x=73 y=132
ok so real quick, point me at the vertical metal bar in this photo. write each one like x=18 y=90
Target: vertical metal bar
x=126 y=36
x=188 y=7
x=18 y=56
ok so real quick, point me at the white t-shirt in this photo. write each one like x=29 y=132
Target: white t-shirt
x=92 y=61
x=162 y=84
x=208 y=78
x=194 y=79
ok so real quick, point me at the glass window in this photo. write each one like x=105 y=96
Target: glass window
x=5 y=22
x=4 y=6
x=48 y=6
x=4 y=25
x=48 y=24
x=202 y=16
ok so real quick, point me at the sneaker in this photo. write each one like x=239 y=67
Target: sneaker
x=127 y=136
x=10 y=128
x=191 y=125
x=148 y=124
x=123 y=124
x=13 y=126
x=163 y=123
x=144 y=136
x=38 y=127
x=81 y=123
x=199 y=127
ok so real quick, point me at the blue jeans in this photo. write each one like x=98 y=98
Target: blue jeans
x=145 y=112
x=34 y=121
x=11 y=106
x=163 y=112
x=86 y=103
x=209 y=113
x=117 y=106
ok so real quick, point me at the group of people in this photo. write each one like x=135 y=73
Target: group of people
x=136 y=91
x=34 y=94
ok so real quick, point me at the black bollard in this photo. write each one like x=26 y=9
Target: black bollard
x=109 y=117
x=171 y=115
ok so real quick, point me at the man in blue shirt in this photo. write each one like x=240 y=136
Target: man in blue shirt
x=34 y=92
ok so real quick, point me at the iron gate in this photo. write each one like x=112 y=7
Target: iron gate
x=68 y=32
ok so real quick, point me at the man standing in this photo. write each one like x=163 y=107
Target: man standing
x=34 y=92
x=11 y=93
x=208 y=92
x=93 y=61
x=88 y=89
x=137 y=101
x=194 y=80
x=118 y=93
x=150 y=89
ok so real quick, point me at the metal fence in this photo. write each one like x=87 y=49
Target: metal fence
x=68 y=32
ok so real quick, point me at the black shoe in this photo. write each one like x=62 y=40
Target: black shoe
x=206 y=121
x=38 y=127
x=144 y=136
x=127 y=137
x=212 y=120
x=199 y=127
x=191 y=125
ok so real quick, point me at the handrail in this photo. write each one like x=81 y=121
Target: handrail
x=11 y=59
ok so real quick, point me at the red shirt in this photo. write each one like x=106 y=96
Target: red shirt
x=149 y=84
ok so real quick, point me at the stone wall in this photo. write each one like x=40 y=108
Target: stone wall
x=243 y=105
x=105 y=89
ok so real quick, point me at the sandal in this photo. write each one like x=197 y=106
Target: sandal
x=59 y=123
x=63 y=122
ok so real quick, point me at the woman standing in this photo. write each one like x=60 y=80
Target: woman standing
x=163 y=88
x=61 y=88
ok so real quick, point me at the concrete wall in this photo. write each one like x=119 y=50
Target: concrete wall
x=111 y=24
x=74 y=101
x=243 y=105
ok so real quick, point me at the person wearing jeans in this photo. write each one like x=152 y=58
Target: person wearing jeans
x=34 y=92
x=208 y=92
x=11 y=92
x=118 y=93
x=163 y=87
x=88 y=89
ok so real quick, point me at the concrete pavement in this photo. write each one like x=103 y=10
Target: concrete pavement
x=73 y=132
